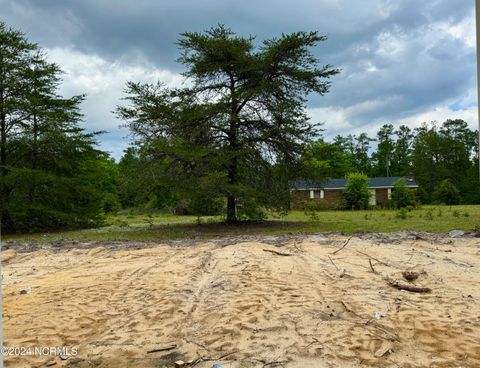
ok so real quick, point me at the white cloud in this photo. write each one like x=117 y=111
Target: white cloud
x=103 y=82
x=463 y=30
x=441 y=114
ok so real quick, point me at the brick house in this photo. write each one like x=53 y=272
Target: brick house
x=330 y=192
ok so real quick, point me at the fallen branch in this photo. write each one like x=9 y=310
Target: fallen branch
x=277 y=253
x=371 y=266
x=205 y=359
x=280 y=362
x=167 y=348
x=343 y=246
x=408 y=287
x=333 y=263
x=375 y=259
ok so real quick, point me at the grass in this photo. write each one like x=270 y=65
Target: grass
x=161 y=226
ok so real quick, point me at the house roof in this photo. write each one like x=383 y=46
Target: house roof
x=375 y=182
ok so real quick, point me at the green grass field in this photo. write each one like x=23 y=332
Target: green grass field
x=161 y=226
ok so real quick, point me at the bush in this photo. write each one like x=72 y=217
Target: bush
x=402 y=213
x=447 y=193
x=250 y=210
x=422 y=196
x=401 y=195
x=429 y=215
x=356 y=192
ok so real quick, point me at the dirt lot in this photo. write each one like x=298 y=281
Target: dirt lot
x=311 y=301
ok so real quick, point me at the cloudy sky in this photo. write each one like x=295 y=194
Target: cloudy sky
x=402 y=61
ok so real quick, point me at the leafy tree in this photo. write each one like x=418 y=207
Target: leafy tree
x=243 y=112
x=384 y=154
x=446 y=152
x=356 y=191
x=48 y=164
x=326 y=160
x=447 y=193
x=401 y=162
x=401 y=195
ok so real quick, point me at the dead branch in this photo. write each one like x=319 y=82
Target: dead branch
x=375 y=259
x=333 y=263
x=280 y=362
x=277 y=253
x=343 y=246
x=371 y=266
x=206 y=359
x=295 y=245
x=166 y=348
x=400 y=285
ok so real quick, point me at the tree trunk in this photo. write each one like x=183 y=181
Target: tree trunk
x=233 y=164
x=231 y=210
x=231 y=201
x=4 y=217
x=3 y=146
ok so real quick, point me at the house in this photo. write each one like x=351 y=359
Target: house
x=330 y=192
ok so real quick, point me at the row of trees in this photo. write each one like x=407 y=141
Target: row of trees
x=51 y=175
x=432 y=152
x=232 y=138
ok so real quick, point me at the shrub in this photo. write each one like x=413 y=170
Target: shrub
x=356 y=192
x=422 y=196
x=402 y=213
x=401 y=195
x=429 y=215
x=447 y=193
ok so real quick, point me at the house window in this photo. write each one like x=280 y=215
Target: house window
x=389 y=193
x=317 y=194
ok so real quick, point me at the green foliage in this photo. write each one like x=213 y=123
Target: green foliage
x=429 y=215
x=422 y=196
x=447 y=193
x=356 y=192
x=447 y=152
x=402 y=213
x=51 y=176
x=240 y=124
x=202 y=204
x=383 y=156
x=401 y=195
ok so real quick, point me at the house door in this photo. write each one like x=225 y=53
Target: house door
x=373 y=197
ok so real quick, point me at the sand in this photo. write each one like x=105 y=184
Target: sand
x=236 y=304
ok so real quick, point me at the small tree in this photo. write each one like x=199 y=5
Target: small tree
x=447 y=193
x=356 y=192
x=401 y=195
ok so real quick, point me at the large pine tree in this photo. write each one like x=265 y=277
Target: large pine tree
x=242 y=111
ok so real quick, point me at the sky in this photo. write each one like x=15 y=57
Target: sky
x=402 y=61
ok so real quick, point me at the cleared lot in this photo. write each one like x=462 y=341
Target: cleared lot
x=304 y=301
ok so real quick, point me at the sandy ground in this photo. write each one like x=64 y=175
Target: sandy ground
x=240 y=305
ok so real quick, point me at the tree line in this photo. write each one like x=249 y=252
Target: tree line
x=432 y=153
x=229 y=141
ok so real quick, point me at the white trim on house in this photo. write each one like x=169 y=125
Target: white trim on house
x=340 y=188
x=312 y=193
x=373 y=197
